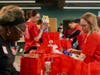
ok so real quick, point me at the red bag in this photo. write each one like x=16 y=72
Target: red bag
x=47 y=36
x=29 y=66
x=94 y=68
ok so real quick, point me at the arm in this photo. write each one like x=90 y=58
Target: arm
x=34 y=32
x=39 y=35
x=74 y=51
x=41 y=32
x=89 y=47
x=81 y=56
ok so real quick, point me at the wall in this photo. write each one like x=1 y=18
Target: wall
x=65 y=14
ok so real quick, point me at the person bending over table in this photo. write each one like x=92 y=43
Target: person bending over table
x=91 y=44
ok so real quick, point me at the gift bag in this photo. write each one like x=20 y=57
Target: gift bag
x=94 y=68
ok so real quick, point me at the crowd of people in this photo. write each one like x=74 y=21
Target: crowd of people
x=84 y=35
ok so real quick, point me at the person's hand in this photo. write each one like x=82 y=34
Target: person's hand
x=31 y=56
x=71 y=50
x=74 y=51
x=44 y=27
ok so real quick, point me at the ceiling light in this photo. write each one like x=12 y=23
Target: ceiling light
x=81 y=7
x=17 y=1
x=31 y=7
x=82 y=1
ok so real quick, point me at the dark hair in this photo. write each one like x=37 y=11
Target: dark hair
x=14 y=34
x=11 y=15
x=98 y=21
x=61 y=24
x=59 y=28
x=33 y=13
x=40 y=21
x=70 y=21
x=75 y=21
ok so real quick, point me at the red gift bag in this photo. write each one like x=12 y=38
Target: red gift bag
x=56 y=66
x=79 y=68
x=29 y=66
x=66 y=43
x=94 y=68
x=44 y=49
x=61 y=64
x=51 y=38
x=47 y=36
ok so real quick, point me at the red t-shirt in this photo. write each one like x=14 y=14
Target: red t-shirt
x=81 y=36
x=31 y=32
x=91 y=47
x=67 y=32
x=78 y=27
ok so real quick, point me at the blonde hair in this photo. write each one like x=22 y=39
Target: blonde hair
x=91 y=19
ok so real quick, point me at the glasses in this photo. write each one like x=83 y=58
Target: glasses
x=84 y=25
x=21 y=27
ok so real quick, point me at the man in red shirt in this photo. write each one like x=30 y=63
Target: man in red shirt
x=33 y=34
x=74 y=25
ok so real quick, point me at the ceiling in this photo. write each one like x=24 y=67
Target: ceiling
x=58 y=4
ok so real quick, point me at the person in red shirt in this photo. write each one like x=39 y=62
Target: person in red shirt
x=90 y=54
x=33 y=34
x=91 y=44
x=74 y=25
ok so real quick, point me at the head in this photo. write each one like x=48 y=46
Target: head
x=34 y=15
x=39 y=22
x=72 y=24
x=88 y=22
x=61 y=25
x=12 y=23
x=77 y=21
x=60 y=30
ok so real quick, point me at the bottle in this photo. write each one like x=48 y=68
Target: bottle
x=47 y=66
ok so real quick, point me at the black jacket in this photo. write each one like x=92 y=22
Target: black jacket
x=6 y=57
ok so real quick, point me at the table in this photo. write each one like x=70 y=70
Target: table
x=33 y=66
